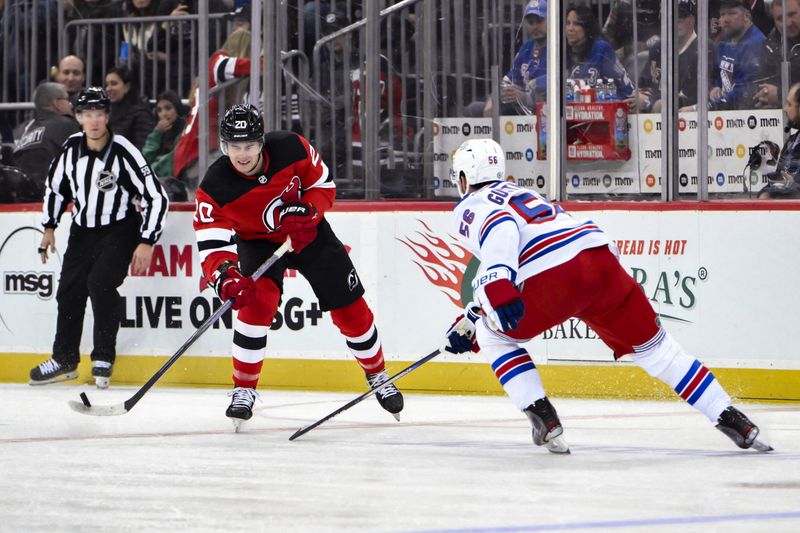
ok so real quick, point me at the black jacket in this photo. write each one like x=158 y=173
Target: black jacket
x=132 y=119
x=41 y=142
x=773 y=56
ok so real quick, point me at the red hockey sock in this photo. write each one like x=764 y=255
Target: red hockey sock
x=250 y=333
x=246 y=374
x=357 y=324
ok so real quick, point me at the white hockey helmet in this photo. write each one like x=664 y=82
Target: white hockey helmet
x=480 y=160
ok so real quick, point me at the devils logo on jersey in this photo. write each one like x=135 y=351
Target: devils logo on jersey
x=290 y=194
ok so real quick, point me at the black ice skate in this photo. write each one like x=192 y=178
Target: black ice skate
x=241 y=407
x=741 y=430
x=389 y=397
x=52 y=372
x=547 y=428
x=101 y=370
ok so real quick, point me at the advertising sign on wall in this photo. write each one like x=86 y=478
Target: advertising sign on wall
x=696 y=267
x=732 y=136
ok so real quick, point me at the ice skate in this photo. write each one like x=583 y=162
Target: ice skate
x=547 y=428
x=389 y=397
x=51 y=371
x=101 y=370
x=741 y=430
x=241 y=407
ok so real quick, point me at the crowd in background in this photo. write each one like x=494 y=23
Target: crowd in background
x=145 y=68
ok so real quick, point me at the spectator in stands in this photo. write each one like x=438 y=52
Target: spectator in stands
x=141 y=43
x=650 y=98
x=589 y=57
x=738 y=58
x=713 y=21
x=618 y=31
x=159 y=149
x=313 y=18
x=241 y=18
x=229 y=62
x=71 y=73
x=103 y=44
x=177 y=39
x=618 y=28
x=138 y=35
x=784 y=183
x=761 y=16
x=334 y=73
x=43 y=136
x=526 y=81
x=130 y=115
x=24 y=27
x=786 y=14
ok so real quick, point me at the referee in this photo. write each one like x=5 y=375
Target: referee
x=103 y=175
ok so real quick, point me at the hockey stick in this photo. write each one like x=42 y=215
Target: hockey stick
x=85 y=407
x=351 y=403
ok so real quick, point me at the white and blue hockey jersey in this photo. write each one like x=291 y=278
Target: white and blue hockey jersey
x=517 y=233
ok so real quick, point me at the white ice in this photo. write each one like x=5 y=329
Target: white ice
x=453 y=464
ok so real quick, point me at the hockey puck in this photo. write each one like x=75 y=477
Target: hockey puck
x=85 y=400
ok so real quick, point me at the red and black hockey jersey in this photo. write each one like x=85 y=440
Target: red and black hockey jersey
x=229 y=203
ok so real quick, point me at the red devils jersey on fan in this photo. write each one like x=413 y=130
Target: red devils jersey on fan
x=229 y=203
x=221 y=68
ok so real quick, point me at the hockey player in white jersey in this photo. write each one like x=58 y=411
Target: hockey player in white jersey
x=539 y=267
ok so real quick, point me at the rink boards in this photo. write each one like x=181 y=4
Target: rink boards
x=719 y=277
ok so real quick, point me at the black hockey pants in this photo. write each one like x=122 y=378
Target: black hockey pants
x=95 y=265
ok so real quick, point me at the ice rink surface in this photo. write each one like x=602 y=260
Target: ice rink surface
x=453 y=464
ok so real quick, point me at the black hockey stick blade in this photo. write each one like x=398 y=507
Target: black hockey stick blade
x=86 y=408
x=302 y=431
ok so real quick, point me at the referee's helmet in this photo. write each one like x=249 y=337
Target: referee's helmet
x=92 y=98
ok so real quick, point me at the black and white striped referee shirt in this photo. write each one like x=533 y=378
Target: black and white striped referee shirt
x=103 y=187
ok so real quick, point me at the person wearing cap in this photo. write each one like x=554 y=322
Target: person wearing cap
x=738 y=57
x=786 y=14
x=317 y=20
x=108 y=182
x=334 y=74
x=527 y=78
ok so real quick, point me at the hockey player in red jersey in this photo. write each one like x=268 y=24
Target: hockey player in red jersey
x=539 y=267
x=263 y=189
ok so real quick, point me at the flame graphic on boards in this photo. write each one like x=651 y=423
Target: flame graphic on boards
x=443 y=263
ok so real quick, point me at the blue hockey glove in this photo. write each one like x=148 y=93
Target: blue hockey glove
x=461 y=336
x=499 y=298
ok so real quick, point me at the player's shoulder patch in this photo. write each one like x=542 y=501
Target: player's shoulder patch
x=283 y=149
x=223 y=184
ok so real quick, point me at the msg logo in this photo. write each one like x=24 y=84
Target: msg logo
x=39 y=283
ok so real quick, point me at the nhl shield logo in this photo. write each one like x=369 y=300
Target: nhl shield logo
x=106 y=181
x=262 y=180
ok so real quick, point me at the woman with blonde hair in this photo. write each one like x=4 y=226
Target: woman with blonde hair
x=231 y=61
